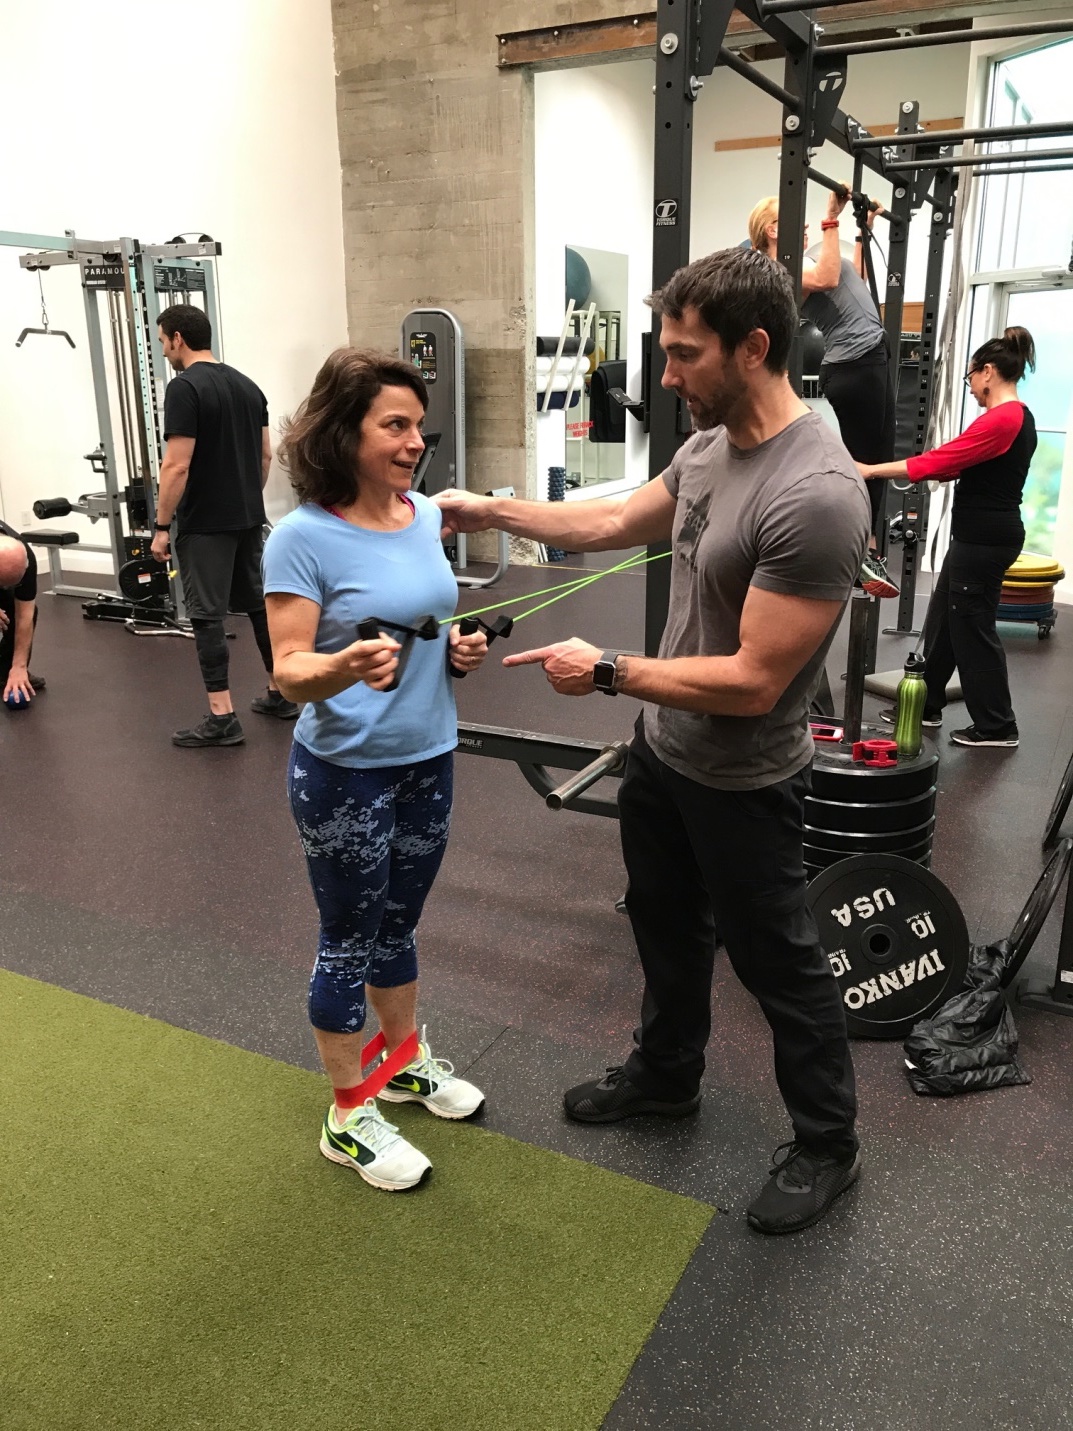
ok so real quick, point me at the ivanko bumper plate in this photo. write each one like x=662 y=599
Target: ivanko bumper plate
x=896 y=939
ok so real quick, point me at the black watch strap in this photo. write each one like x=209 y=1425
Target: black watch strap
x=161 y=526
x=603 y=673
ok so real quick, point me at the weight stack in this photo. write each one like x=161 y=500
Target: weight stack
x=857 y=809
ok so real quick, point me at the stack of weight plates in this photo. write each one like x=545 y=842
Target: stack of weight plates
x=857 y=809
x=1028 y=590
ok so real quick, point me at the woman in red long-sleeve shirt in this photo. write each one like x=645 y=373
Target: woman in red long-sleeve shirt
x=991 y=460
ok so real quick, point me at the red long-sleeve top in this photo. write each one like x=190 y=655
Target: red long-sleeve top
x=991 y=458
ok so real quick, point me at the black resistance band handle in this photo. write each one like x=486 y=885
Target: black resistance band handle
x=468 y=626
x=501 y=626
x=426 y=629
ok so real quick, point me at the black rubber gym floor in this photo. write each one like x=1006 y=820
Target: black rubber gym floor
x=170 y=882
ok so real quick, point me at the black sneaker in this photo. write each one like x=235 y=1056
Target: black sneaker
x=800 y=1189
x=607 y=1099
x=213 y=730
x=929 y=722
x=38 y=683
x=274 y=703
x=971 y=736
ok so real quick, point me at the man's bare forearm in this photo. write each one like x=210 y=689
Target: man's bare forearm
x=24 y=633
x=172 y=486
x=708 y=685
x=591 y=526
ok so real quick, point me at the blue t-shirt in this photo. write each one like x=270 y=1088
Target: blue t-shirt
x=352 y=573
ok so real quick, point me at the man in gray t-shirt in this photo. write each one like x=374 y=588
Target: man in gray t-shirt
x=767 y=520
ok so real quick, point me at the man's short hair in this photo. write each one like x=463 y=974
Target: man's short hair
x=191 y=322
x=735 y=290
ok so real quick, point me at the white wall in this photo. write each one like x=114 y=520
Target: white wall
x=240 y=143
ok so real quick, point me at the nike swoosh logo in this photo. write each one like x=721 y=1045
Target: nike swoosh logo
x=352 y=1149
x=411 y=1084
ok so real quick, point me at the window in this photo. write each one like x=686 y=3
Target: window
x=1027 y=220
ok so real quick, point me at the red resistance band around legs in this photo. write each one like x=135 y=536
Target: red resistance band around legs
x=369 y=1087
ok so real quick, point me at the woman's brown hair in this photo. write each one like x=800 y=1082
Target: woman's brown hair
x=319 y=450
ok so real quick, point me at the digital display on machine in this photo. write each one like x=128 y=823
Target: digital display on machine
x=423 y=354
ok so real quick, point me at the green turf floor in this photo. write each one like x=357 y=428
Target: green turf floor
x=175 y=1253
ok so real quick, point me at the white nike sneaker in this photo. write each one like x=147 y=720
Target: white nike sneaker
x=432 y=1081
x=371 y=1145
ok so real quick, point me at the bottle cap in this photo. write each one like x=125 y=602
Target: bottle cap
x=914 y=663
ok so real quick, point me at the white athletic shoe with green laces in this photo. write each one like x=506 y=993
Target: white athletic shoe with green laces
x=432 y=1081
x=371 y=1145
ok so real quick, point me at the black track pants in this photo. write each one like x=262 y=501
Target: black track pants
x=960 y=634
x=696 y=857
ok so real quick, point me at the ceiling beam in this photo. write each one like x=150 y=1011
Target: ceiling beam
x=597 y=41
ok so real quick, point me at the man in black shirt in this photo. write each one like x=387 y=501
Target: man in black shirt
x=212 y=478
x=18 y=615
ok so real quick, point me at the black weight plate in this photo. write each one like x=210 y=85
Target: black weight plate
x=887 y=842
x=141 y=579
x=835 y=775
x=818 y=858
x=896 y=939
x=864 y=819
x=1034 y=915
x=1060 y=806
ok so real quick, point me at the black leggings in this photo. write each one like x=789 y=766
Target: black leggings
x=960 y=634
x=862 y=395
x=212 y=647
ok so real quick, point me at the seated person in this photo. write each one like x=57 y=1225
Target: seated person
x=18 y=616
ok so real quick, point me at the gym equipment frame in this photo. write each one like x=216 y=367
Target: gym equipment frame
x=125 y=272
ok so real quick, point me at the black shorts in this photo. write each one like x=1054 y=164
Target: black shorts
x=221 y=572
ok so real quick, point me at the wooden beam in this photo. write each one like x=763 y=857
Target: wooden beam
x=596 y=41
x=772 y=141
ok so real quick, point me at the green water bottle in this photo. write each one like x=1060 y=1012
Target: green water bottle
x=911 y=693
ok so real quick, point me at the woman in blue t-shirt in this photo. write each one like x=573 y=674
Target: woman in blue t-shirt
x=370 y=770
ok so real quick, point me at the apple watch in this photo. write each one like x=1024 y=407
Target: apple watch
x=604 y=672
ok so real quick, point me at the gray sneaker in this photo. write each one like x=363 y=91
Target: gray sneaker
x=213 y=730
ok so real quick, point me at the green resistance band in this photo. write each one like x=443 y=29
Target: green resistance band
x=562 y=589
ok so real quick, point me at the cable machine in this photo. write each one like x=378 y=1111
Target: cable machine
x=125 y=286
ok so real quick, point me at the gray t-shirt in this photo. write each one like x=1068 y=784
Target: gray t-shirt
x=790 y=516
x=846 y=316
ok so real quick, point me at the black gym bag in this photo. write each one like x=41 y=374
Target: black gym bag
x=970 y=1044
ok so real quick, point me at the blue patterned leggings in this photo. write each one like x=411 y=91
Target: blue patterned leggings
x=373 y=842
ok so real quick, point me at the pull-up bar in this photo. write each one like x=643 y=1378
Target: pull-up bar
x=945 y=37
x=784 y=7
x=843 y=191
x=749 y=72
x=965 y=161
x=1043 y=169
x=954 y=136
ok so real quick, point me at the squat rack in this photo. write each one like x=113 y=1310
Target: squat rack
x=921 y=168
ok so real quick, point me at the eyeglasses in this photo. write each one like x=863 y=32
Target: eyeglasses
x=970 y=375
